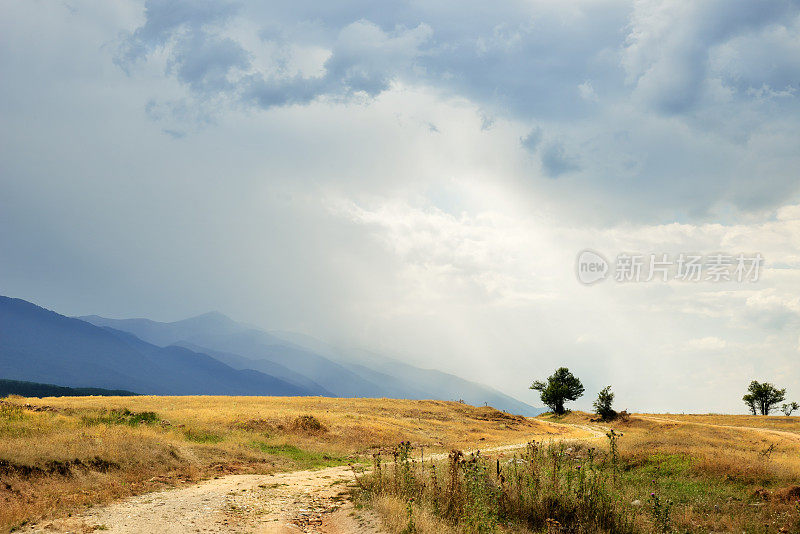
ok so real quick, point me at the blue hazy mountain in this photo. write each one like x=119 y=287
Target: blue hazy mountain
x=415 y=382
x=163 y=334
x=42 y=346
x=265 y=366
x=244 y=347
x=288 y=355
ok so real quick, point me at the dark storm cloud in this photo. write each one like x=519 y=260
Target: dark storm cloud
x=165 y=20
x=725 y=69
x=364 y=58
x=204 y=62
x=556 y=161
x=670 y=50
x=527 y=59
x=531 y=141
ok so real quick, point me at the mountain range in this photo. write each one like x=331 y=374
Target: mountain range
x=213 y=355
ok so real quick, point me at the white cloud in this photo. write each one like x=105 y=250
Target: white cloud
x=706 y=343
x=451 y=266
x=587 y=92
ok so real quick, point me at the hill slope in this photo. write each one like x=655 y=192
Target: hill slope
x=42 y=346
x=265 y=366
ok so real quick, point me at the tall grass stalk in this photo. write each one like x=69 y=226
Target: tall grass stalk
x=547 y=485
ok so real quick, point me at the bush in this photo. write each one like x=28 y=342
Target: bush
x=308 y=423
x=124 y=417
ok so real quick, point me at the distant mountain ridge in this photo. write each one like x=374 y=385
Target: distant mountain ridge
x=265 y=366
x=210 y=354
x=164 y=334
x=303 y=360
x=39 y=345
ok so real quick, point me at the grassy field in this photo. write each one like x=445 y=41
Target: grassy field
x=60 y=455
x=776 y=422
x=667 y=474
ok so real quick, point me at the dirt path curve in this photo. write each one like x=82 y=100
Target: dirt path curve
x=299 y=501
x=755 y=429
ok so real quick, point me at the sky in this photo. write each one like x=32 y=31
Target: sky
x=418 y=179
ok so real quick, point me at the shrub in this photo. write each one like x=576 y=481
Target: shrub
x=308 y=423
x=124 y=417
x=261 y=426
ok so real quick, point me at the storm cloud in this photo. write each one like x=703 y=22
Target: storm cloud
x=635 y=89
x=416 y=178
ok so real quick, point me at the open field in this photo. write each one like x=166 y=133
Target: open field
x=669 y=474
x=776 y=422
x=60 y=455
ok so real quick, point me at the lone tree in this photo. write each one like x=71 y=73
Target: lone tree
x=789 y=408
x=763 y=398
x=602 y=406
x=560 y=387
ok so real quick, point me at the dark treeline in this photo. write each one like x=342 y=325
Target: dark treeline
x=33 y=389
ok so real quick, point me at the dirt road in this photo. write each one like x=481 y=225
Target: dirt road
x=300 y=501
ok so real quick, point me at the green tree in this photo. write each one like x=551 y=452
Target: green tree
x=789 y=408
x=763 y=397
x=603 y=404
x=560 y=387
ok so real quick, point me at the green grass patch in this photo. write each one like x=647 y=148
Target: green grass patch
x=303 y=458
x=662 y=464
x=202 y=436
x=673 y=477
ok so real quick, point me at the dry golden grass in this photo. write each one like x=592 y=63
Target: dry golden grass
x=351 y=425
x=727 y=472
x=395 y=517
x=713 y=474
x=733 y=446
x=60 y=454
x=773 y=422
